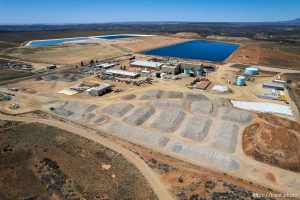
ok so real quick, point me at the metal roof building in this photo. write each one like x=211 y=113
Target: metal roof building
x=273 y=86
x=146 y=64
x=122 y=73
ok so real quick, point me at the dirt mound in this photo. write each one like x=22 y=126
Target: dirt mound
x=140 y=115
x=168 y=120
x=152 y=94
x=117 y=110
x=197 y=128
x=129 y=97
x=273 y=144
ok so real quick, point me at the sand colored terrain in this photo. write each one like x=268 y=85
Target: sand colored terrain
x=273 y=55
x=275 y=141
x=146 y=43
x=66 y=53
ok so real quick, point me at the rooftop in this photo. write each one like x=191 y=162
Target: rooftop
x=147 y=63
x=121 y=72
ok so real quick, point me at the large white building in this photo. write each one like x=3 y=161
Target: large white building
x=146 y=64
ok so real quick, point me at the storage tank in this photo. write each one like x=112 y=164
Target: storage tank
x=199 y=73
x=187 y=71
x=163 y=75
x=240 y=81
x=251 y=71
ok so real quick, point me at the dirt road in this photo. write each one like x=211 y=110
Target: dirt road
x=158 y=187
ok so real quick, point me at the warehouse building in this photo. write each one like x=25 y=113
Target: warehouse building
x=273 y=86
x=122 y=73
x=146 y=64
x=170 y=69
x=99 y=90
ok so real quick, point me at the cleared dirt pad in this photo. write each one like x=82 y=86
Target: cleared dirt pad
x=235 y=115
x=197 y=128
x=273 y=144
x=174 y=95
x=139 y=116
x=130 y=133
x=168 y=120
x=100 y=119
x=117 y=110
x=205 y=155
x=43 y=160
x=225 y=138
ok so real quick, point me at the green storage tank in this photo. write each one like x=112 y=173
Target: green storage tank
x=187 y=71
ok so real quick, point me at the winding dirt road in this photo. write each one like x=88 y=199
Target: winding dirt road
x=158 y=187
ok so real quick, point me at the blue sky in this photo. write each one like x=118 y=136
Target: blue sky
x=98 y=11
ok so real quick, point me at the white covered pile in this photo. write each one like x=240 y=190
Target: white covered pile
x=263 y=107
x=220 y=88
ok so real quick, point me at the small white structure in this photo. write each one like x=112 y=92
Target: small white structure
x=220 y=88
x=146 y=64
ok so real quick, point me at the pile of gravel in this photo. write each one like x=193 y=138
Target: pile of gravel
x=117 y=110
x=62 y=112
x=79 y=107
x=222 y=102
x=168 y=120
x=174 y=95
x=152 y=94
x=202 y=154
x=194 y=97
x=100 y=119
x=197 y=128
x=169 y=104
x=139 y=135
x=202 y=107
x=139 y=115
x=82 y=116
x=226 y=137
x=129 y=97
x=235 y=115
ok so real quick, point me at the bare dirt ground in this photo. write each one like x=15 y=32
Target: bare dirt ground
x=268 y=54
x=294 y=88
x=56 y=162
x=146 y=43
x=275 y=141
x=65 y=54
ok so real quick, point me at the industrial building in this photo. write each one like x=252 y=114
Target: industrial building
x=99 y=90
x=105 y=65
x=122 y=73
x=170 y=69
x=146 y=64
x=192 y=68
x=273 y=86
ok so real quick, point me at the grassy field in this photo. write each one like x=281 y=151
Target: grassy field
x=8 y=74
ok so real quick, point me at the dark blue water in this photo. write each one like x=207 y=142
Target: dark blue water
x=112 y=37
x=198 y=50
x=53 y=42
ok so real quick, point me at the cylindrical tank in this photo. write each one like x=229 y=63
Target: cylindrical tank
x=251 y=71
x=186 y=71
x=157 y=74
x=163 y=75
x=240 y=81
x=199 y=73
